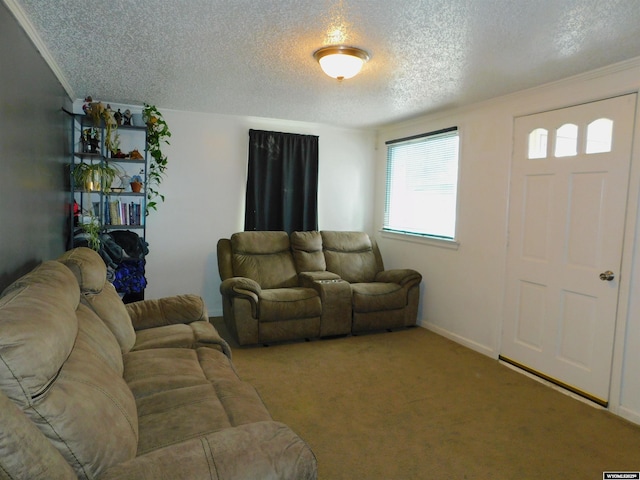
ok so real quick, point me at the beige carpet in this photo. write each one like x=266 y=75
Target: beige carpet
x=410 y=404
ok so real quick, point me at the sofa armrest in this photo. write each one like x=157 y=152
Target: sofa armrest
x=167 y=311
x=401 y=276
x=257 y=450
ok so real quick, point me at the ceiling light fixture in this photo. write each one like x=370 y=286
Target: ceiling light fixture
x=340 y=61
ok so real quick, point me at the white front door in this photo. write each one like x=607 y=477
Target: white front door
x=569 y=184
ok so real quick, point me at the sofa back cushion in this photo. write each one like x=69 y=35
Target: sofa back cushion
x=91 y=274
x=351 y=255
x=63 y=368
x=264 y=257
x=39 y=328
x=307 y=251
x=24 y=451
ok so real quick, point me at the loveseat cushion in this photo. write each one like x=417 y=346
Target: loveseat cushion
x=307 y=251
x=279 y=304
x=60 y=365
x=377 y=296
x=351 y=256
x=264 y=257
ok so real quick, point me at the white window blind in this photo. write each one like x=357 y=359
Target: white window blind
x=422 y=184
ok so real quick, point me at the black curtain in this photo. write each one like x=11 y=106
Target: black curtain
x=282 y=182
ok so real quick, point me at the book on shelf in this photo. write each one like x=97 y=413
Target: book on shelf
x=107 y=212
x=114 y=213
x=123 y=213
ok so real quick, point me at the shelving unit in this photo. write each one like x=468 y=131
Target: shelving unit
x=110 y=208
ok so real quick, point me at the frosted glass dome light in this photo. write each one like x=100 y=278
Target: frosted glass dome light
x=340 y=62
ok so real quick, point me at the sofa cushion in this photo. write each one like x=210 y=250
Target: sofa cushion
x=377 y=296
x=185 y=393
x=180 y=335
x=109 y=307
x=307 y=251
x=287 y=303
x=264 y=257
x=99 y=339
x=34 y=342
x=24 y=452
x=159 y=312
x=91 y=274
x=60 y=367
x=260 y=450
x=350 y=255
x=87 y=266
x=160 y=369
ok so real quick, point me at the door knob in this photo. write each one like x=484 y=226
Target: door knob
x=607 y=276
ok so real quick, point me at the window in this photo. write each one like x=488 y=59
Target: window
x=422 y=184
x=567 y=140
x=538 y=143
x=599 y=134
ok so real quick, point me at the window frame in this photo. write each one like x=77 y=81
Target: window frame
x=419 y=237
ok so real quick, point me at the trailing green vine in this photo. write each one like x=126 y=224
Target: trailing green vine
x=157 y=135
x=92 y=230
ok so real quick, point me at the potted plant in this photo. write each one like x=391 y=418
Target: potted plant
x=136 y=183
x=99 y=113
x=94 y=177
x=157 y=134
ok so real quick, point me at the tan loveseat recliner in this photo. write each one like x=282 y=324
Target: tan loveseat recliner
x=311 y=284
x=262 y=299
x=381 y=299
x=84 y=395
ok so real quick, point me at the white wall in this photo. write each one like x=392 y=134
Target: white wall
x=463 y=288
x=205 y=194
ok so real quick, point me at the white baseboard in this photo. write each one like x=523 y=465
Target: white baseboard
x=627 y=414
x=483 y=349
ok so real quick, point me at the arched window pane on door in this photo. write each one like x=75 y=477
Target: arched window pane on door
x=599 y=134
x=567 y=140
x=538 y=143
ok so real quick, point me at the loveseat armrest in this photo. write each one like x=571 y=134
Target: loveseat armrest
x=244 y=288
x=257 y=450
x=335 y=295
x=235 y=286
x=307 y=279
x=167 y=311
x=401 y=276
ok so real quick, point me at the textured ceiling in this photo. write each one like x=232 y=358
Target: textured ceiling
x=255 y=58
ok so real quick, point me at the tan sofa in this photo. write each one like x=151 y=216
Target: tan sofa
x=311 y=284
x=91 y=388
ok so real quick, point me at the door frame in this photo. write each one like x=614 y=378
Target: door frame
x=631 y=237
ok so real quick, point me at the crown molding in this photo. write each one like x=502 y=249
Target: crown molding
x=31 y=32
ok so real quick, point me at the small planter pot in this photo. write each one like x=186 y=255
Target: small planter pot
x=136 y=187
